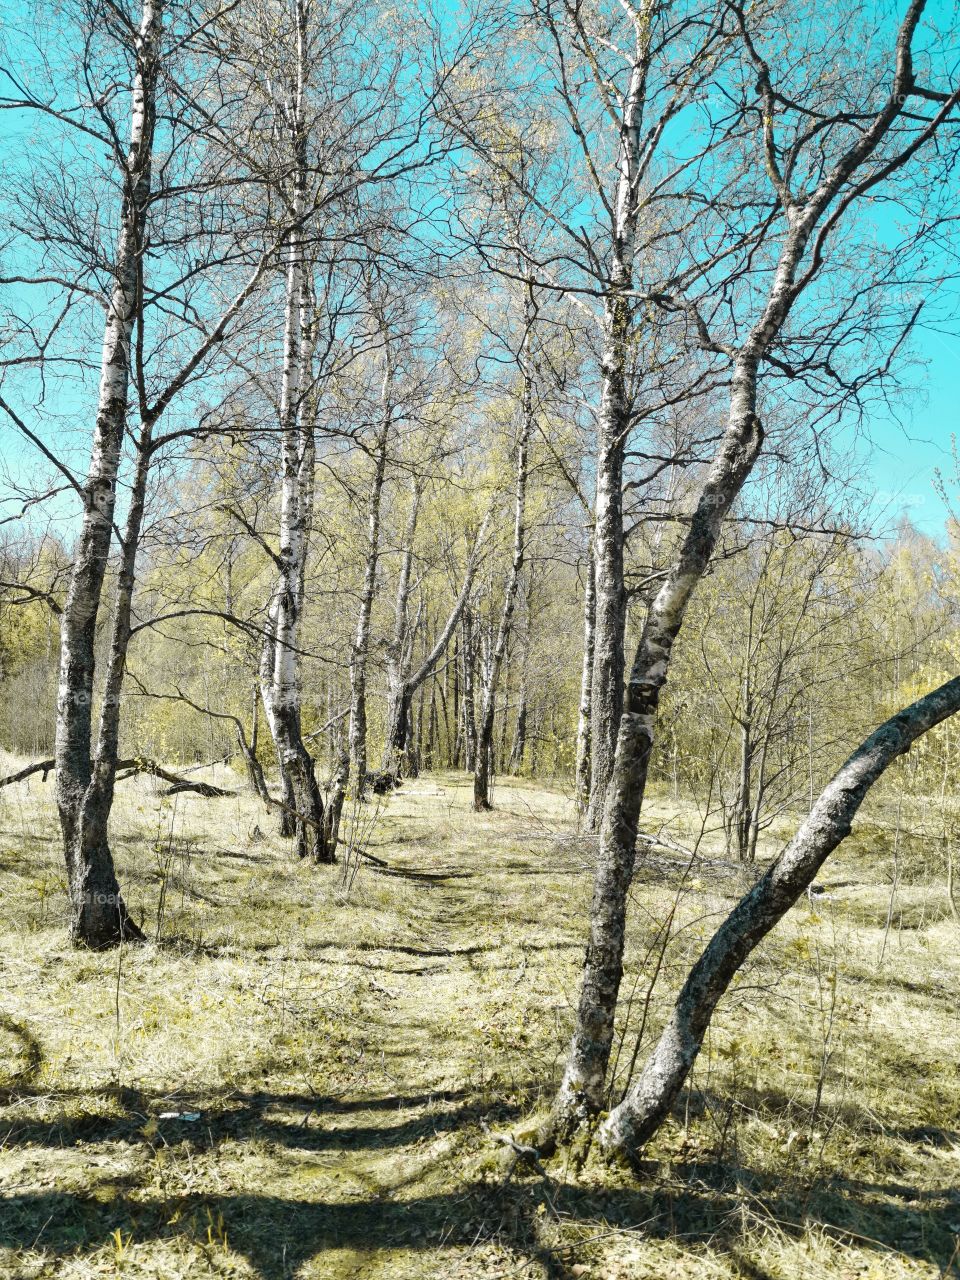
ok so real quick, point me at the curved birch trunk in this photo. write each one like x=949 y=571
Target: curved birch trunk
x=649 y=1100
x=582 y=1090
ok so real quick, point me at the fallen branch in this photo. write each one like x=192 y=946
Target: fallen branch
x=43 y=766
x=130 y=769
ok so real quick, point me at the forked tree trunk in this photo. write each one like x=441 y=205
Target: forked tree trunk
x=649 y=1100
x=582 y=1090
x=99 y=916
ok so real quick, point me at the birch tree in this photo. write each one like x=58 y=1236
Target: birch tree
x=484 y=736
x=584 y=148
x=302 y=813
x=150 y=44
x=817 y=179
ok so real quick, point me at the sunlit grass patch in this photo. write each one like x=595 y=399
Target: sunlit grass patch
x=289 y=1079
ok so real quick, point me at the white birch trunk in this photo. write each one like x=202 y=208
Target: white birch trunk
x=582 y=1090
x=585 y=714
x=280 y=658
x=98 y=914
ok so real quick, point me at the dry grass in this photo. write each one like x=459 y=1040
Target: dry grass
x=341 y=1048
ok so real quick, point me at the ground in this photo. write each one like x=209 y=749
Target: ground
x=303 y=1073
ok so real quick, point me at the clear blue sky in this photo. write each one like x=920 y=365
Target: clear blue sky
x=899 y=467
x=904 y=461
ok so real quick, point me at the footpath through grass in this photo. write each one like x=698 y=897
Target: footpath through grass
x=298 y=1077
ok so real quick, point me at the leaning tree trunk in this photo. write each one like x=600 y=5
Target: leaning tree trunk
x=99 y=916
x=586 y=688
x=484 y=743
x=582 y=1089
x=649 y=1100
x=248 y=750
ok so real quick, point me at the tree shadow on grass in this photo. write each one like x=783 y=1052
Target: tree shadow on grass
x=279 y=1234
x=30 y=1057
x=292 y=1120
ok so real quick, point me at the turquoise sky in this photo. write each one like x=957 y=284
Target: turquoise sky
x=907 y=453
x=897 y=463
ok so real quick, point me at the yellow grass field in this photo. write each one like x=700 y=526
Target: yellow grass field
x=300 y=1076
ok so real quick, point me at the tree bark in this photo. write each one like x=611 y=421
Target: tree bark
x=584 y=733
x=484 y=742
x=99 y=916
x=582 y=1088
x=468 y=710
x=609 y=590
x=357 y=736
x=397 y=653
x=643 y=1110
x=280 y=659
